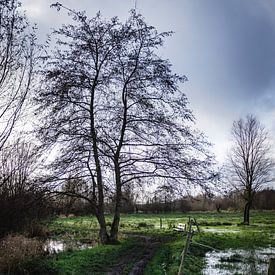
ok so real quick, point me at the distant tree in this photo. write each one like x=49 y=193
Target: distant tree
x=17 y=46
x=265 y=199
x=116 y=110
x=218 y=201
x=70 y=197
x=250 y=160
x=165 y=195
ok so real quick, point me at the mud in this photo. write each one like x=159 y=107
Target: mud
x=150 y=244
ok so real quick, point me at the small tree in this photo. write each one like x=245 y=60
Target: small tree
x=115 y=108
x=250 y=161
x=17 y=46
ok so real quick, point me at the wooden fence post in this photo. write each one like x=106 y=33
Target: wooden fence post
x=197 y=225
x=184 y=252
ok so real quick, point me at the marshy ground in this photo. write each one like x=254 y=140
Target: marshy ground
x=150 y=246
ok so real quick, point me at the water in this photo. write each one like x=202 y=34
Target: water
x=221 y=230
x=238 y=261
x=56 y=246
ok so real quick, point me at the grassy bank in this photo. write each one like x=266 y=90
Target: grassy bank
x=88 y=261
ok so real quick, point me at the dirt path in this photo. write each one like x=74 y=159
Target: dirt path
x=140 y=260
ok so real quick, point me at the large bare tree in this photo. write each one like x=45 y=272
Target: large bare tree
x=116 y=110
x=17 y=43
x=251 y=163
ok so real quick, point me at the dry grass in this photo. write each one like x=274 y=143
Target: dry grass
x=37 y=230
x=15 y=250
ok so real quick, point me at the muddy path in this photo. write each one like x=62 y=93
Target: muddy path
x=137 y=257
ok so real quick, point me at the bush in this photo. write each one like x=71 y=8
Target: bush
x=19 y=212
x=16 y=250
x=36 y=229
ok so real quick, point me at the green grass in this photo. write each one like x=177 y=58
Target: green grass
x=261 y=233
x=88 y=261
x=133 y=221
x=92 y=261
x=168 y=255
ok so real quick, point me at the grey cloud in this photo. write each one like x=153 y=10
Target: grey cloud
x=225 y=47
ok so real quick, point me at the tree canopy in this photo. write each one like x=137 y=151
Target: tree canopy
x=115 y=108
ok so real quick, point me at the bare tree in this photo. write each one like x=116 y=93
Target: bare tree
x=115 y=108
x=250 y=159
x=16 y=65
x=17 y=163
x=20 y=194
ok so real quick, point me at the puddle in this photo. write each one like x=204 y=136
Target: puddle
x=54 y=246
x=220 y=230
x=238 y=261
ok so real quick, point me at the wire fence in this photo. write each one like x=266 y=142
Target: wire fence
x=190 y=229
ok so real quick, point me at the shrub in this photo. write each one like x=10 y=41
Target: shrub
x=15 y=250
x=36 y=229
x=18 y=212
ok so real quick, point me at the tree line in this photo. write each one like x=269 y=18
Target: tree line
x=158 y=203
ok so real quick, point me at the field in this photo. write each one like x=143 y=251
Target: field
x=149 y=244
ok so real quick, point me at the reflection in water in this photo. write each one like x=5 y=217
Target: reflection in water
x=238 y=261
x=54 y=246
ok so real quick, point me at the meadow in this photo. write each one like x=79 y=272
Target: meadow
x=149 y=242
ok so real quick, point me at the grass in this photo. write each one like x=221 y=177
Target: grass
x=261 y=233
x=132 y=221
x=88 y=261
x=92 y=261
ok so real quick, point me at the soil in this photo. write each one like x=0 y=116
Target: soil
x=140 y=260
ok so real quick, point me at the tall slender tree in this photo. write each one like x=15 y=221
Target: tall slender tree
x=251 y=163
x=115 y=108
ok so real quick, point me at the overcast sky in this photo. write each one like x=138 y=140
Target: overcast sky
x=226 y=48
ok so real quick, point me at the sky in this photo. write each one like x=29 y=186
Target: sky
x=225 y=48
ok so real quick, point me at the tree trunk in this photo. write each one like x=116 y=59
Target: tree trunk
x=246 y=213
x=116 y=219
x=103 y=234
x=114 y=228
